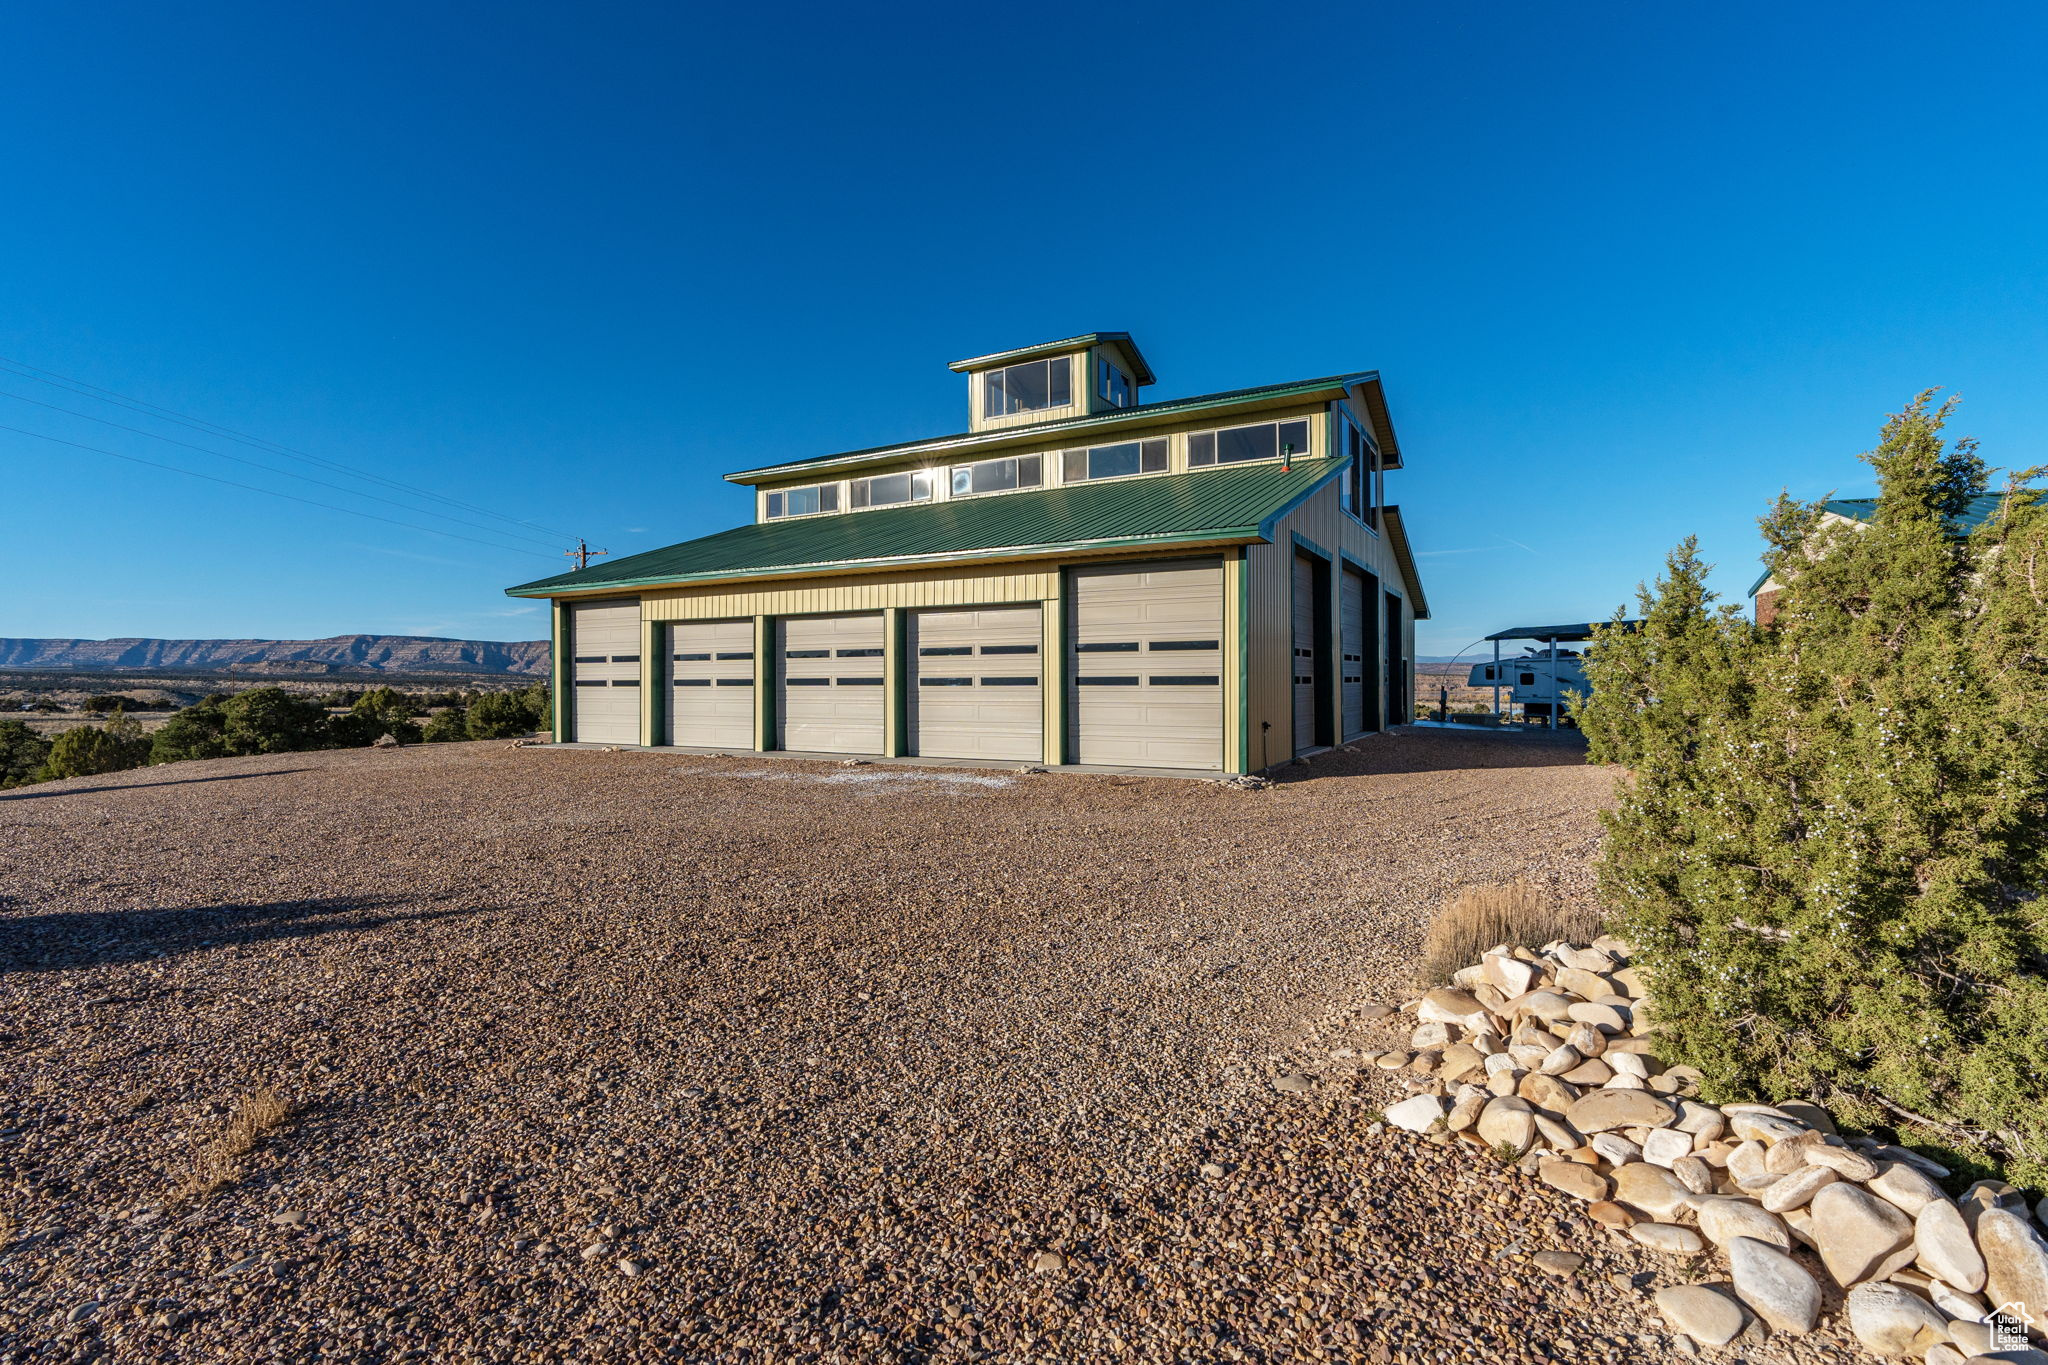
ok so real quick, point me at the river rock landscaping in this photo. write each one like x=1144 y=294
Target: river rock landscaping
x=1547 y=1060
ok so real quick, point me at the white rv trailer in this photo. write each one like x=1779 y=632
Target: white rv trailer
x=1542 y=676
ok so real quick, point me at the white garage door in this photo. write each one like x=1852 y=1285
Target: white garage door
x=711 y=684
x=829 y=696
x=1304 y=666
x=1145 y=665
x=975 y=684
x=1351 y=611
x=604 y=640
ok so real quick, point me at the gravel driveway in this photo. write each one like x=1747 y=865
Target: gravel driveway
x=602 y=1056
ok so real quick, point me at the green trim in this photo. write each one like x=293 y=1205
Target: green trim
x=1271 y=395
x=1302 y=542
x=655 y=645
x=764 y=683
x=563 y=683
x=896 y=719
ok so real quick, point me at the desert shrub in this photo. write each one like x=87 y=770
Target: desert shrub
x=198 y=731
x=446 y=726
x=22 y=753
x=270 y=720
x=47 y=706
x=380 y=711
x=1481 y=917
x=1831 y=849
x=502 y=715
x=89 y=750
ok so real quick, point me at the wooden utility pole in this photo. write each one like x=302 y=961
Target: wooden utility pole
x=583 y=554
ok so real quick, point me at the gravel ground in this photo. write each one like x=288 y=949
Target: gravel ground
x=614 y=1057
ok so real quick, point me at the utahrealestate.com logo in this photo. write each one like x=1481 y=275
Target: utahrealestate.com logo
x=2008 y=1323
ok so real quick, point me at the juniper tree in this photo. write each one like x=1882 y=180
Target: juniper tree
x=1830 y=846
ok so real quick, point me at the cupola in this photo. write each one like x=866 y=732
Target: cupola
x=1097 y=372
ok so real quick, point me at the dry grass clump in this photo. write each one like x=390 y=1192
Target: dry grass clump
x=1483 y=917
x=216 y=1163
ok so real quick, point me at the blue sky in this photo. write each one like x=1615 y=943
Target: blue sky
x=1627 y=269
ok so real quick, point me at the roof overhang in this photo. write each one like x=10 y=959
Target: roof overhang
x=1011 y=554
x=1404 y=556
x=1035 y=434
x=1141 y=372
x=1571 y=632
x=1369 y=393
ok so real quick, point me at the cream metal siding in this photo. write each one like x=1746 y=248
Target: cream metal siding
x=937 y=587
x=1145 y=665
x=1305 y=664
x=1353 y=632
x=974 y=680
x=711 y=684
x=604 y=645
x=830 y=694
x=1320 y=523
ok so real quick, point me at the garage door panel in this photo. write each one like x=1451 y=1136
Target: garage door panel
x=830 y=696
x=974 y=684
x=1144 y=641
x=604 y=643
x=1353 y=635
x=711 y=684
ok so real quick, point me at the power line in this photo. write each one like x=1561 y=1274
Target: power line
x=273 y=469
x=23 y=370
x=289 y=497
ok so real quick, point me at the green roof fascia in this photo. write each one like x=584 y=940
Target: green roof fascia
x=1220 y=535
x=1241 y=505
x=1264 y=396
x=1064 y=344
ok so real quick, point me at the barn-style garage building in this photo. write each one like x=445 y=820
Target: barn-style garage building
x=1210 y=584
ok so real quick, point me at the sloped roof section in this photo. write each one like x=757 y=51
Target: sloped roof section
x=1982 y=508
x=1034 y=433
x=1205 y=506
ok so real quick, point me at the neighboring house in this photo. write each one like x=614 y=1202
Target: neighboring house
x=1209 y=583
x=1859 y=512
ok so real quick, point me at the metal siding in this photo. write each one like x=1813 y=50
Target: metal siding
x=975 y=718
x=938 y=587
x=832 y=715
x=1270 y=571
x=605 y=666
x=1146 y=724
x=711 y=701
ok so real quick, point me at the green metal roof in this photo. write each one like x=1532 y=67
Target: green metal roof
x=1036 y=432
x=1163 y=509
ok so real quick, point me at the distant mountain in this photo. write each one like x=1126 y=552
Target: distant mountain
x=341 y=654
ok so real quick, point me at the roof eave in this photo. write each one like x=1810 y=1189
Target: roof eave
x=1062 y=346
x=1231 y=535
x=1372 y=393
x=1404 y=556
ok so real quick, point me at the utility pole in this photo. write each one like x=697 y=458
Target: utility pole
x=583 y=554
